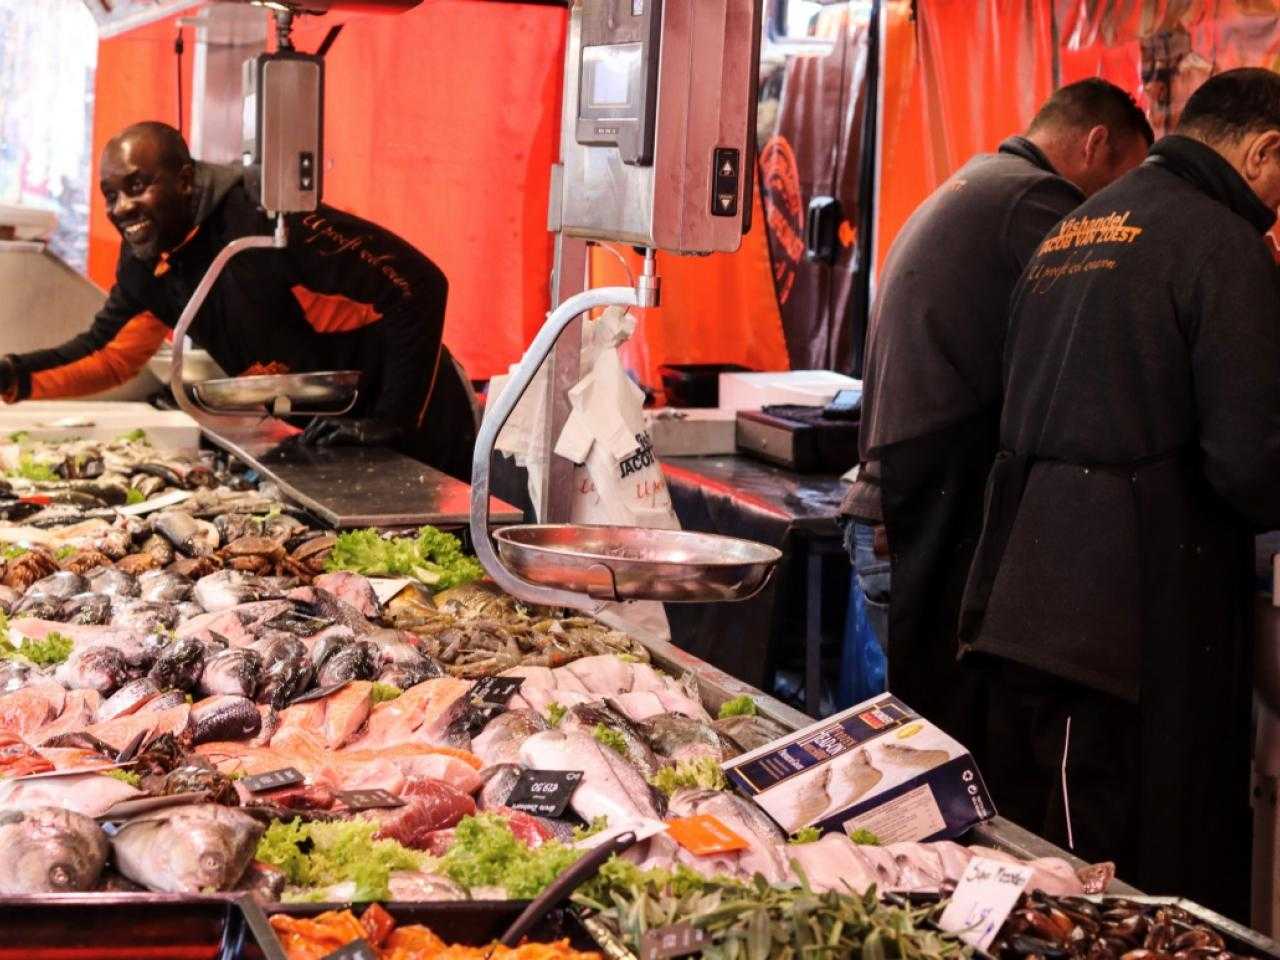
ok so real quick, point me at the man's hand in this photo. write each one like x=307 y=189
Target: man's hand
x=350 y=432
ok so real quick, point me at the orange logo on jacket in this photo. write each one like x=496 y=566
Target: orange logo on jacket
x=324 y=233
x=1089 y=231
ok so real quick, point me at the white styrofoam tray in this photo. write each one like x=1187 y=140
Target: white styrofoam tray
x=751 y=391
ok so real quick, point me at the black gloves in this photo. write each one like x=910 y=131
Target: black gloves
x=350 y=432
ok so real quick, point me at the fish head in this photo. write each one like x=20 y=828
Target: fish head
x=199 y=856
x=50 y=851
x=95 y=668
x=358 y=661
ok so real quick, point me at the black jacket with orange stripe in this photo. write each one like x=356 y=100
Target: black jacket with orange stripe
x=345 y=294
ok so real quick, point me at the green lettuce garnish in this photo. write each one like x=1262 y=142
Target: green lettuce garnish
x=805 y=835
x=610 y=738
x=53 y=649
x=325 y=854
x=133 y=436
x=486 y=853
x=702 y=773
x=433 y=557
x=597 y=825
x=134 y=496
x=382 y=692
x=864 y=838
x=28 y=469
x=742 y=706
x=125 y=776
x=555 y=713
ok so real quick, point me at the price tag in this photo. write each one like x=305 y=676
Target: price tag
x=985 y=896
x=705 y=835
x=368 y=799
x=273 y=780
x=355 y=950
x=489 y=697
x=678 y=940
x=544 y=793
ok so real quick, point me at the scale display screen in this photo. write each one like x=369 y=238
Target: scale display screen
x=612 y=70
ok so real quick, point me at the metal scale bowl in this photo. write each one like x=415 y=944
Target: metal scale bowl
x=583 y=566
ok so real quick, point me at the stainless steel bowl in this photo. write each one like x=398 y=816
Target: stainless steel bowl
x=634 y=563
x=331 y=392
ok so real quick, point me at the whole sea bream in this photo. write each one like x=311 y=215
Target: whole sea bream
x=188 y=849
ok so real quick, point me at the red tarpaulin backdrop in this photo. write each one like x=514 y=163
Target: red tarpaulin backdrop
x=961 y=75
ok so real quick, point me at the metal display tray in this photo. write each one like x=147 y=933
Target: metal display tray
x=129 y=926
x=467 y=922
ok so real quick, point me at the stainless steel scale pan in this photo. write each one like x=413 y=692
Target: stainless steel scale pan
x=583 y=567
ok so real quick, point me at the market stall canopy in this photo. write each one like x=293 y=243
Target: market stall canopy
x=117 y=16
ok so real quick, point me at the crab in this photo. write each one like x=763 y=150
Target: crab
x=257 y=555
x=195 y=567
x=308 y=559
x=83 y=561
x=21 y=572
x=136 y=564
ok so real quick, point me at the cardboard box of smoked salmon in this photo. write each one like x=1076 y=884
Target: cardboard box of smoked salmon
x=878 y=766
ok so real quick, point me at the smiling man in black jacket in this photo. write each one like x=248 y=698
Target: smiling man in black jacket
x=345 y=294
x=1111 y=592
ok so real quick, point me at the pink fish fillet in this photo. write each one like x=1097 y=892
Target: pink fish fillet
x=24 y=712
x=833 y=863
x=78 y=713
x=119 y=732
x=646 y=704
x=421 y=714
x=920 y=866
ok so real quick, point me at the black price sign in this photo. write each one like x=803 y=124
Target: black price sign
x=273 y=780
x=355 y=950
x=544 y=793
x=489 y=697
x=678 y=940
x=368 y=799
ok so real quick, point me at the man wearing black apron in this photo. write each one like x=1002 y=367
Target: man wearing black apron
x=931 y=401
x=1108 y=605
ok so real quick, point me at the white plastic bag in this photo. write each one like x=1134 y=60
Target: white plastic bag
x=606 y=436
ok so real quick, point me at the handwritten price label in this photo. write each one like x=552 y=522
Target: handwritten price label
x=983 y=900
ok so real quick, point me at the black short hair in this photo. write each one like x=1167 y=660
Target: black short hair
x=174 y=153
x=1232 y=104
x=1088 y=103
